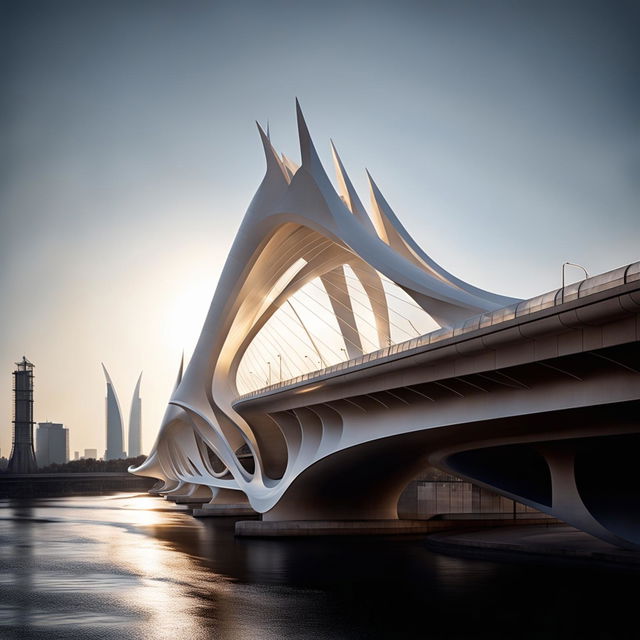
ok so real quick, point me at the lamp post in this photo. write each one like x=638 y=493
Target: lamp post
x=572 y=264
x=280 y=362
x=269 y=369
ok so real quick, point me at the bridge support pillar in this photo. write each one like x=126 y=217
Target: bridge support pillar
x=225 y=502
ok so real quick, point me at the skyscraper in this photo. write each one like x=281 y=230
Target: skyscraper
x=23 y=458
x=113 y=422
x=52 y=443
x=135 y=422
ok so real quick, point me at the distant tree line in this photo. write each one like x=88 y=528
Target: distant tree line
x=91 y=465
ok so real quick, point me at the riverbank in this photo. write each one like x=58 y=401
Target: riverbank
x=36 y=485
x=553 y=542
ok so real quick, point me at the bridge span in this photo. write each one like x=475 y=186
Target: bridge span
x=540 y=406
x=536 y=399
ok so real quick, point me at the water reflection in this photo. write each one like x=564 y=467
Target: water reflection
x=130 y=566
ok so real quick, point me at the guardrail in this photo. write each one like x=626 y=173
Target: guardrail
x=581 y=289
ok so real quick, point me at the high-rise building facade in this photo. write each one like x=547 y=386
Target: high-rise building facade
x=91 y=454
x=23 y=458
x=113 y=422
x=52 y=443
x=135 y=423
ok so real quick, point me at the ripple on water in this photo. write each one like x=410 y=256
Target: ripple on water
x=124 y=567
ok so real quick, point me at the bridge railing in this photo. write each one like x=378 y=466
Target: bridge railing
x=574 y=291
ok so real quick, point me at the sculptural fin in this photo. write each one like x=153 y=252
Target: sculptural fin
x=347 y=191
x=275 y=167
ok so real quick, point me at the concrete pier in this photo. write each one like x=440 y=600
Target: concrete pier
x=185 y=500
x=300 y=528
x=224 y=510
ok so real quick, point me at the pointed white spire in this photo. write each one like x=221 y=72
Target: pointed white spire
x=275 y=167
x=393 y=232
x=310 y=158
x=180 y=370
x=136 y=391
x=114 y=427
x=347 y=191
x=134 y=448
x=106 y=374
x=311 y=162
x=382 y=212
x=308 y=153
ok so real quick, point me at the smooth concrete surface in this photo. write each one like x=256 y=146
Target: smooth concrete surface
x=542 y=540
x=224 y=510
x=300 y=528
x=187 y=500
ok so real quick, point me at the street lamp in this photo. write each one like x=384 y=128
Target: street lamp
x=572 y=264
x=280 y=360
x=269 y=368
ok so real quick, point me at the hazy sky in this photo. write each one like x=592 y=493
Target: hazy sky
x=504 y=134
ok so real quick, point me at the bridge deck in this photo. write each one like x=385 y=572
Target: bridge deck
x=578 y=294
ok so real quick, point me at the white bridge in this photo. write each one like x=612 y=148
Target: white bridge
x=315 y=395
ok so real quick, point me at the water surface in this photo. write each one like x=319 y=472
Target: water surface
x=135 y=567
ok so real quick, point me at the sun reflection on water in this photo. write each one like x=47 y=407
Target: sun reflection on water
x=108 y=563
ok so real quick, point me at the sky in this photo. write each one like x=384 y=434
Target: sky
x=504 y=134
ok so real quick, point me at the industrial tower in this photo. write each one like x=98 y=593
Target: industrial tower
x=23 y=458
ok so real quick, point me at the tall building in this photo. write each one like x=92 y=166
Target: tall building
x=91 y=454
x=113 y=422
x=135 y=423
x=23 y=458
x=52 y=443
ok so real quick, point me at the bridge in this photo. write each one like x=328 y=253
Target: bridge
x=535 y=399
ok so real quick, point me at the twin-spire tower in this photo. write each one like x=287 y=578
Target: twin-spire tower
x=114 y=423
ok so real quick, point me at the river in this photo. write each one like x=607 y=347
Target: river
x=129 y=566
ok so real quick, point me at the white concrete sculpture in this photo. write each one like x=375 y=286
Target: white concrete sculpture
x=296 y=229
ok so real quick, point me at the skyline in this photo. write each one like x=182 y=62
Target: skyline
x=119 y=128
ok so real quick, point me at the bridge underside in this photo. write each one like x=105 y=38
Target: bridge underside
x=559 y=435
x=588 y=480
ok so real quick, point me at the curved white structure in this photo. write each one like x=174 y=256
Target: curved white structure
x=135 y=422
x=297 y=229
x=113 y=421
x=536 y=399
